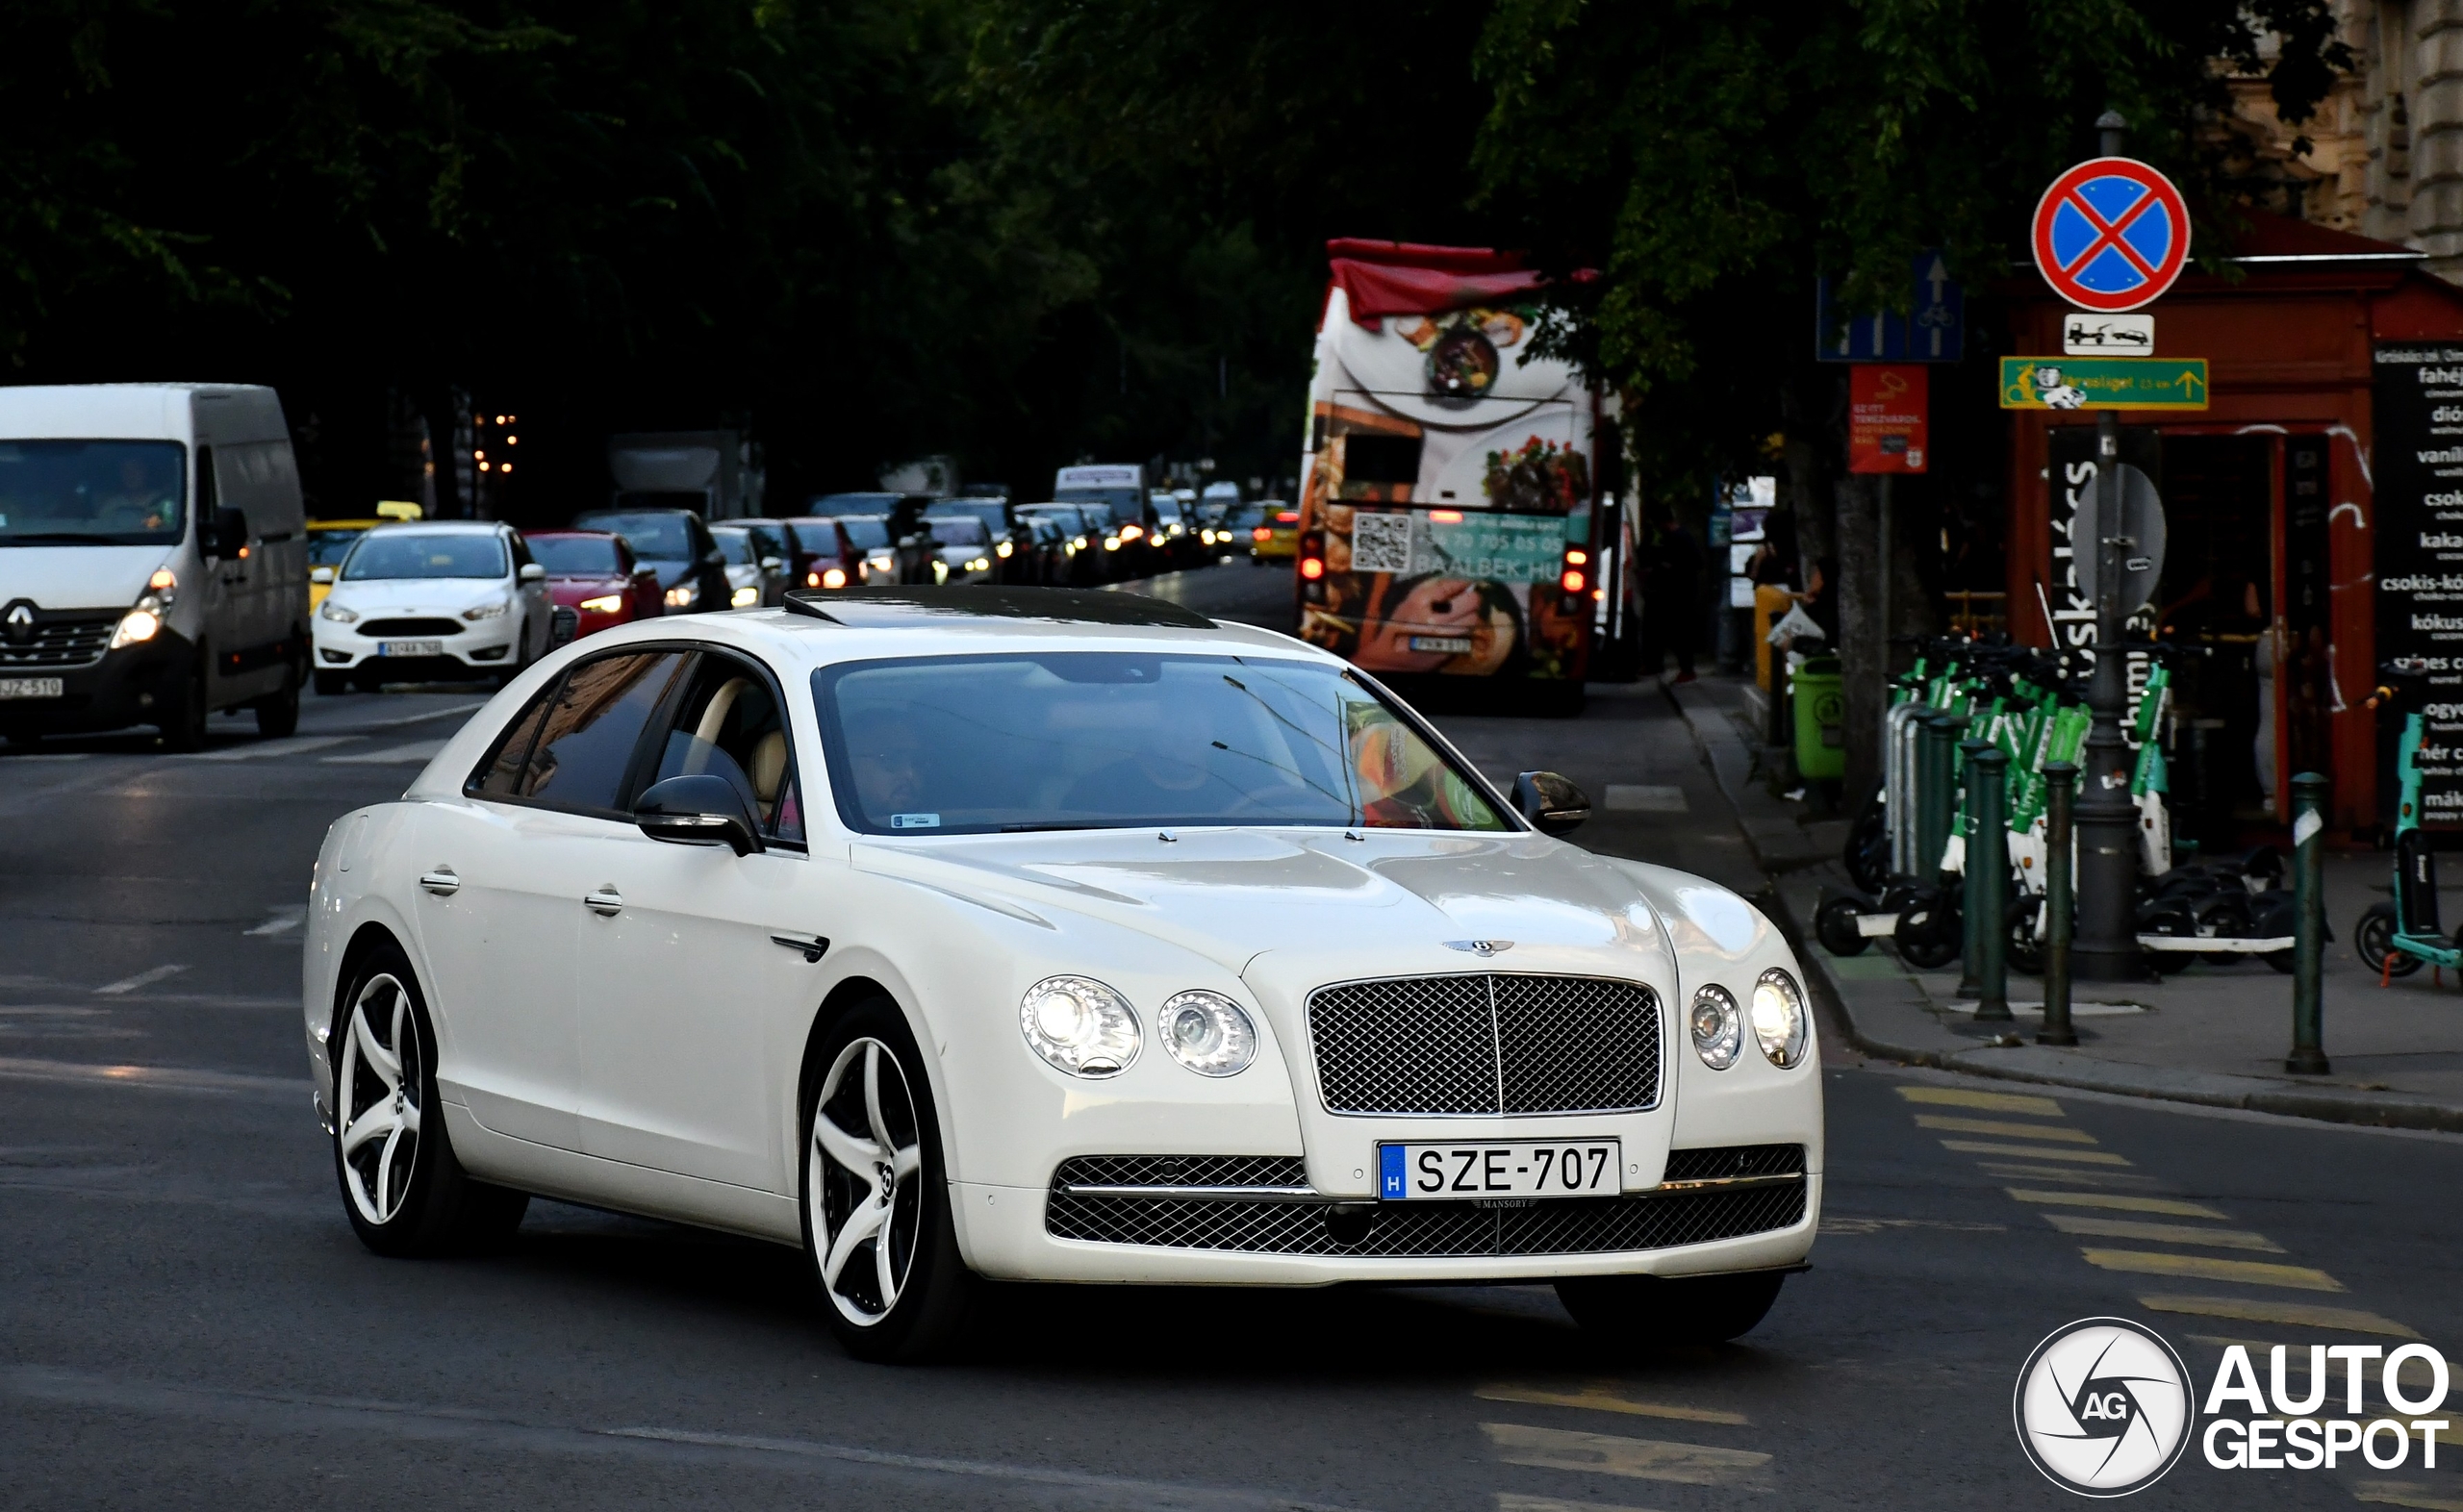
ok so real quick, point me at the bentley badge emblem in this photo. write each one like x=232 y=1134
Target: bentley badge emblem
x=1480 y=948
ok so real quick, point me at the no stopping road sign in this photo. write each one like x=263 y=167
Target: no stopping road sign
x=2111 y=233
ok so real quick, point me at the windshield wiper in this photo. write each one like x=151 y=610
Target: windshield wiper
x=1025 y=829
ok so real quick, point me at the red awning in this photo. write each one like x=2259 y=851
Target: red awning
x=1391 y=278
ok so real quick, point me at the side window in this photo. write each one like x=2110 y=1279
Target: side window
x=586 y=744
x=729 y=724
x=500 y=776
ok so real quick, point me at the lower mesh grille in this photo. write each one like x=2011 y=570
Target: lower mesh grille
x=1182 y=1170
x=1434 y=1229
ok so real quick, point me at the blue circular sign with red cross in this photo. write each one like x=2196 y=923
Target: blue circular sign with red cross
x=2111 y=233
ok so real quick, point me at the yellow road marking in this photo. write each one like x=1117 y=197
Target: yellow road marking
x=2043 y=1131
x=2296 y=1315
x=2161 y=1233
x=2084 y=1157
x=1991 y=1101
x=2206 y=1268
x=1606 y=1454
x=2171 y=1207
x=2104 y=1178
x=1516 y=1501
x=2405 y=1494
x=1601 y=1396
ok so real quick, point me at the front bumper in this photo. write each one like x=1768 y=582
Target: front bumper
x=130 y=686
x=488 y=646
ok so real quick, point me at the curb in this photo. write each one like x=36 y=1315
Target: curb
x=1886 y=1014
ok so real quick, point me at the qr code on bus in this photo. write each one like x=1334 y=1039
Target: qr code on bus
x=1381 y=542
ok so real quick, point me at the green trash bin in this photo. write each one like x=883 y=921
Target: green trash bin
x=1820 y=694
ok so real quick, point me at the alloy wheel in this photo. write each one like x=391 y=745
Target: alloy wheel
x=377 y=1093
x=865 y=1161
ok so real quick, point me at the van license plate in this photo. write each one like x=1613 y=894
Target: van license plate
x=409 y=648
x=1556 y=1168
x=30 y=688
x=1451 y=644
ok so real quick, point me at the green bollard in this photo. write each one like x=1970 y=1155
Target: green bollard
x=2060 y=789
x=2308 y=1057
x=1988 y=881
x=1970 y=893
x=1936 y=781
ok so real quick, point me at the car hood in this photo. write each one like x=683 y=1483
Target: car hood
x=80 y=577
x=417 y=595
x=1311 y=906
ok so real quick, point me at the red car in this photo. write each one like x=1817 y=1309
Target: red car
x=825 y=553
x=593 y=572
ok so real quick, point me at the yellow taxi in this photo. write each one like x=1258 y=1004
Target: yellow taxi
x=1275 y=534
x=329 y=541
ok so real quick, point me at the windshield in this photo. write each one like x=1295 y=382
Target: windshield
x=1122 y=506
x=736 y=545
x=967 y=532
x=98 y=493
x=576 y=556
x=1106 y=739
x=809 y=537
x=327 y=547
x=993 y=515
x=865 y=534
x=660 y=536
x=384 y=554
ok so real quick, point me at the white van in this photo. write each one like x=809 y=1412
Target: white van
x=153 y=560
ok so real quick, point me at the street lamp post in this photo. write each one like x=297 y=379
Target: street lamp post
x=2106 y=945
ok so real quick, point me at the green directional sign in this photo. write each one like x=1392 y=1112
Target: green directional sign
x=2103 y=383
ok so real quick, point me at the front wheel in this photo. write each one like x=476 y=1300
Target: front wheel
x=1645 y=1310
x=875 y=1193
x=2373 y=937
x=403 y=1191
x=1834 y=924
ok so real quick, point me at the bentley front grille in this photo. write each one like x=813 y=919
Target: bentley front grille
x=1484 y=1044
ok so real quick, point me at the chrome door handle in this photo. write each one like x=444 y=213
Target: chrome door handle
x=442 y=882
x=812 y=946
x=606 y=902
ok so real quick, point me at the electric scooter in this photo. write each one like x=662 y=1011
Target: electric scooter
x=2397 y=938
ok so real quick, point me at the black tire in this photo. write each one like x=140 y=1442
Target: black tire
x=1638 y=1311
x=419 y=1203
x=2173 y=920
x=1929 y=936
x=1834 y=924
x=332 y=685
x=2024 y=951
x=182 y=721
x=2223 y=917
x=2372 y=939
x=278 y=714
x=933 y=1291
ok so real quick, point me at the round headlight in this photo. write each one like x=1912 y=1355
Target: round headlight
x=1718 y=1029
x=1779 y=1018
x=1209 y=1033
x=1080 y=1026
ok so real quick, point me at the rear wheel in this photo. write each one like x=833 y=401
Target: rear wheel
x=2373 y=937
x=1834 y=924
x=1638 y=1311
x=403 y=1188
x=875 y=1193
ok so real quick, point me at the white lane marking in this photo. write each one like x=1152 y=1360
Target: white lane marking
x=18 y=756
x=283 y=922
x=295 y=745
x=157 y=1078
x=1646 y=798
x=130 y=984
x=416 y=751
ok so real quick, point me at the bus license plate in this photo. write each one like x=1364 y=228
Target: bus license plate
x=1568 y=1168
x=409 y=648
x=1452 y=644
x=30 y=688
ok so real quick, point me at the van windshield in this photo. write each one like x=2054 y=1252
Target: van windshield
x=91 y=492
x=1121 y=506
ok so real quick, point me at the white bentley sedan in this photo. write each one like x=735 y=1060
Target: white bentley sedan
x=1051 y=936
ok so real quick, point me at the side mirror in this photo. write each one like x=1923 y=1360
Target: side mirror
x=532 y=572
x=698 y=811
x=320 y=575
x=1551 y=804
x=774 y=564
x=229 y=535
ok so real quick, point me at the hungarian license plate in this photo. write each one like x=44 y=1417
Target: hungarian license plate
x=409 y=648
x=1569 y=1168
x=1452 y=644
x=30 y=688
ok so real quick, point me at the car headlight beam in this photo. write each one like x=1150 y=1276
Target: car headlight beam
x=1717 y=1028
x=1779 y=1021
x=329 y=609
x=135 y=627
x=603 y=604
x=745 y=597
x=683 y=596
x=484 y=612
x=1209 y=1033
x=1080 y=1026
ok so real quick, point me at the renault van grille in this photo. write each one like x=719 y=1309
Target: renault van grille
x=1494 y=1043
x=60 y=639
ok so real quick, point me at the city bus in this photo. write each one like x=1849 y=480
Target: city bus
x=1448 y=494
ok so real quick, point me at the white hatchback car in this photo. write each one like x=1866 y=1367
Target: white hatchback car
x=438 y=598
x=1031 y=934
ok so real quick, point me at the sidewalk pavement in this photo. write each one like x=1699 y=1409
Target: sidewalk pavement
x=2208 y=1034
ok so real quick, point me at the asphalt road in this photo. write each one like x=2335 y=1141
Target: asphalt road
x=185 y=1319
